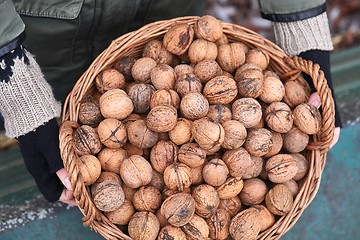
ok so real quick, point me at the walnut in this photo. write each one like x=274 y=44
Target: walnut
x=86 y=141
x=253 y=192
x=116 y=104
x=147 y=198
x=192 y=155
x=112 y=158
x=258 y=57
x=143 y=225
x=140 y=94
x=207 y=69
x=107 y=195
x=157 y=181
x=140 y=135
x=281 y=168
x=295 y=94
x=295 y=140
x=90 y=168
x=247 y=111
x=278 y=117
x=112 y=133
x=165 y=97
x=215 y=172
x=194 y=106
x=231 y=188
x=183 y=69
x=201 y=50
x=267 y=218
x=121 y=215
x=220 y=90
x=162 y=154
x=307 y=118
x=106 y=175
x=219 y=224
x=141 y=70
x=177 y=176
x=156 y=50
x=196 y=175
x=178 y=38
x=181 y=133
x=89 y=112
x=171 y=232
x=259 y=141
x=109 y=79
x=196 y=228
x=273 y=89
x=293 y=187
x=163 y=77
x=188 y=83
x=219 y=113
x=222 y=40
x=178 y=209
x=206 y=200
x=162 y=118
x=209 y=28
x=136 y=171
x=231 y=56
x=235 y=134
x=124 y=65
x=249 y=82
x=208 y=134
x=277 y=144
x=245 y=225
x=231 y=205
x=303 y=166
x=279 y=200
x=238 y=161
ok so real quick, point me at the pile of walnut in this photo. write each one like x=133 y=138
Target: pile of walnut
x=195 y=139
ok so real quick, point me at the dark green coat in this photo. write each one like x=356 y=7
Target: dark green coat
x=65 y=36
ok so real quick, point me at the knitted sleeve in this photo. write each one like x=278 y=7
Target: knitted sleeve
x=298 y=26
x=26 y=99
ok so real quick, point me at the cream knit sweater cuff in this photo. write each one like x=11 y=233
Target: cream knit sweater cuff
x=300 y=36
x=26 y=100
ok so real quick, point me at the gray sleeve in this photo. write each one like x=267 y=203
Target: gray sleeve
x=300 y=36
x=26 y=99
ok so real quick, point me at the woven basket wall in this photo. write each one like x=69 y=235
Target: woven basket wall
x=132 y=44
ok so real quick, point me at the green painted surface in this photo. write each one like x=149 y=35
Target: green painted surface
x=345 y=68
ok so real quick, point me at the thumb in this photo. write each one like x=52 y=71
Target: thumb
x=314 y=100
x=64 y=178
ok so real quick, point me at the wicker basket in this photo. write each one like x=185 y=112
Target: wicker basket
x=131 y=44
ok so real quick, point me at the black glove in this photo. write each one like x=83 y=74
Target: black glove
x=323 y=59
x=40 y=150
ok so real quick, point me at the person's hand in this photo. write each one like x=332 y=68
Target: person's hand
x=316 y=102
x=67 y=196
x=41 y=154
x=64 y=178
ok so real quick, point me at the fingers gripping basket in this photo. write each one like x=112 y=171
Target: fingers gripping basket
x=132 y=44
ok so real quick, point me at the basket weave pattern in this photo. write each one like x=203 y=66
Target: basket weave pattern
x=132 y=44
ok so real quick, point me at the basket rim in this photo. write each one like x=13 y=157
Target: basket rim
x=290 y=69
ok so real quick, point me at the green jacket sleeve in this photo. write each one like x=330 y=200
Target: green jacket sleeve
x=291 y=10
x=10 y=28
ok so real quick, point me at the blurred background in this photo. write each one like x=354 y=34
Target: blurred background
x=334 y=213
